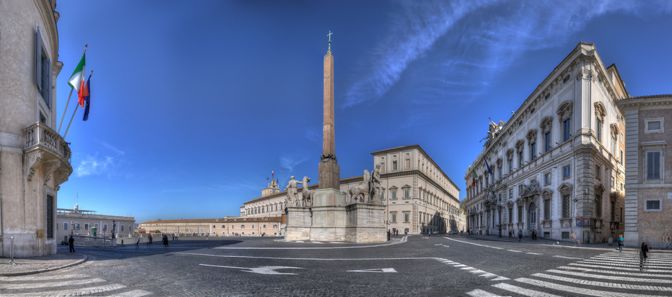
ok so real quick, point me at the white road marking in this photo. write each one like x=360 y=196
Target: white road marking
x=536 y=254
x=476 y=244
x=610 y=277
x=631 y=260
x=481 y=293
x=515 y=251
x=134 y=293
x=378 y=270
x=647 y=264
x=259 y=270
x=40 y=278
x=566 y=257
x=443 y=245
x=73 y=292
x=522 y=291
x=51 y=284
x=617 y=268
x=603 y=284
x=615 y=272
x=500 y=278
x=575 y=290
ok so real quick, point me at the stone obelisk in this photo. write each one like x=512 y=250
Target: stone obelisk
x=328 y=167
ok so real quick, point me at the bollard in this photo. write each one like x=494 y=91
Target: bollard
x=11 y=251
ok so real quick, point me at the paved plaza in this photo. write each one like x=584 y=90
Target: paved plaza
x=406 y=266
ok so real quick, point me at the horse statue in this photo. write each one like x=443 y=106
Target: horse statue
x=306 y=194
x=361 y=192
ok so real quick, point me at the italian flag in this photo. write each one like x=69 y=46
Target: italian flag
x=77 y=77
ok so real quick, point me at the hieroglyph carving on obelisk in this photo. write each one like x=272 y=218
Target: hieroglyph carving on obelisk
x=328 y=167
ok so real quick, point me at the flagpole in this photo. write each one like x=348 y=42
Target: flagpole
x=67 y=103
x=65 y=134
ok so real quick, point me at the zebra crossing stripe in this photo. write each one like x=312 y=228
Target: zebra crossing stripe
x=617 y=268
x=40 y=278
x=481 y=293
x=523 y=291
x=603 y=284
x=575 y=290
x=73 y=292
x=51 y=284
x=610 y=277
x=615 y=272
x=134 y=293
x=647 y=264
x=632 y=260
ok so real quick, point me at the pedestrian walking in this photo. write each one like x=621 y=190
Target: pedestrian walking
x=643 y=254
x=619 y=241
x=137 y=243
x=165 y=240
x=71 y=243
x=149 y=239
x=520 y=235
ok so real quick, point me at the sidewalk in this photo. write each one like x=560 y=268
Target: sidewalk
x=40 y=264
x=537 y=241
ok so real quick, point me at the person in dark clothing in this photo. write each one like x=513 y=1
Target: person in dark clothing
x=71 y=243
x=149 y=239
x=165 y=240
x=643 y=254
x=520 y=235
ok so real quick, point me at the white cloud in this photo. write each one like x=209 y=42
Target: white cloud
x=111 y=148
x=93 y=165
x=491 y=36
x=289 y=163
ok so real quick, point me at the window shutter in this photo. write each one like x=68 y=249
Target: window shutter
x=47 y=93
x=38 y=59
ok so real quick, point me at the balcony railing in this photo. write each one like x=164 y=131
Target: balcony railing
x=38 y=135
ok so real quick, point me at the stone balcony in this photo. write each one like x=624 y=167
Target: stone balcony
x=45 y=148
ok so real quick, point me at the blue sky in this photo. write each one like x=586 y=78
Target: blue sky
x=195 y=102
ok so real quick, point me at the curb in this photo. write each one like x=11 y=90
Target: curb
x=80 y=261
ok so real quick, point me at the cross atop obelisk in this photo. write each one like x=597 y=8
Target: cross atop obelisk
x=328 y=168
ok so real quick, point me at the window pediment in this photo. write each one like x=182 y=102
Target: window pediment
x=565 y=110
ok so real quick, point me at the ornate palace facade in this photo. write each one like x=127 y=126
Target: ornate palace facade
x=556 y=168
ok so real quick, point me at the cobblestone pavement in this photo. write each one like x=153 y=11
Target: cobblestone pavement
x=38 y=263
x=420 y=266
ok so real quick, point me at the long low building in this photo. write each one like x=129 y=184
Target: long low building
x=418 y=195
x=228 y=226
x=89 y=223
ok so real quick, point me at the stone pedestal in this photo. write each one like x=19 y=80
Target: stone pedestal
x=329 y=219
x=299 y=220
x=366 y=223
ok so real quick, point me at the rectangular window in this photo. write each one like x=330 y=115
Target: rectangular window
x=566 y=172
x=533 y=149
x=653 y=205
x=599 y=129
x=65 y=226
x=407 y=193
x=598 y=206
x=42 y=69
x=547 y=209
x=614 y=141
x=510 y=165
x=598 y=172
x=393 y=215
x=520 y=214
x=565 y=206
x=520 y=158
x=510 y=215
x=653 y=165
x=50 y=216
x=547 y=141
x=654 y=126
x=565 y=129
x=393 y=194
x=510 y=193
x=547 y=179
x=86 y=226
x=394 y=165
x=408 y=164
x=565 y=235
x=407 y=217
